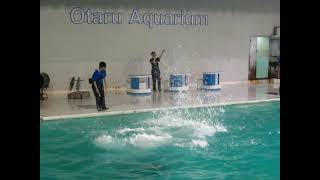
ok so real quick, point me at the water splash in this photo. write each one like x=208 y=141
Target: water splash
x=186 y=128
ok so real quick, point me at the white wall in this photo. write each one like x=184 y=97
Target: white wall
x=68 y=49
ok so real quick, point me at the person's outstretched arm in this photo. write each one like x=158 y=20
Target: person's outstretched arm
x=161 y=54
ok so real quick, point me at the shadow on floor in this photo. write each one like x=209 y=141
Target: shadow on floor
x=87 y=106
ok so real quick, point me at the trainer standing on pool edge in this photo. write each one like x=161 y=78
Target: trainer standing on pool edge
x=155 y=71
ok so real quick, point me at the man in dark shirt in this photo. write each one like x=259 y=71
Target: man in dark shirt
x=155 y=71
x=98 y=78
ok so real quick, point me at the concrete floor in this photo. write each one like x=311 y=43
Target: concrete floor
x=58 y=106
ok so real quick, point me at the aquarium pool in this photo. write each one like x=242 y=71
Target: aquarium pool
x=224 y=142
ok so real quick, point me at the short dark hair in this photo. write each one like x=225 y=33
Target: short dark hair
x=102 y=64
x=153 y=52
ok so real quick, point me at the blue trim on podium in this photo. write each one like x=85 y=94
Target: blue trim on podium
x=135 y=83
x=209 y=79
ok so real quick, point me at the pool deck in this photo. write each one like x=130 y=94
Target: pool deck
x=58 y=106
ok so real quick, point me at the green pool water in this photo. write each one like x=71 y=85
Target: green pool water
x=226 y=142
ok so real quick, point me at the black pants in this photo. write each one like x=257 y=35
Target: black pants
x=156 y=77
x=100 y=100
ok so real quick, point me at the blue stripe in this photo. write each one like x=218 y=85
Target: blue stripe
x=209 y=79
x=134 y=83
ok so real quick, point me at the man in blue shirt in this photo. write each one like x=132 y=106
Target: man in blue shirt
x=98 y=78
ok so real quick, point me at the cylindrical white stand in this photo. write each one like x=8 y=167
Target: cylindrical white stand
x=178 y=82
x=211 y=81
x=139 y=85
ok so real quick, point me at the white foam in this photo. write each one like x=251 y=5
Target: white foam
x=199 y=143
x=179 y=128
x=220 y=128
x=126 y=130
x=180 y=145
x=199 y=128
x=194 y=143
x=149 y=140
x=103 y=140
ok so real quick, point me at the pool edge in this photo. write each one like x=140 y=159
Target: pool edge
x=99 y=114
